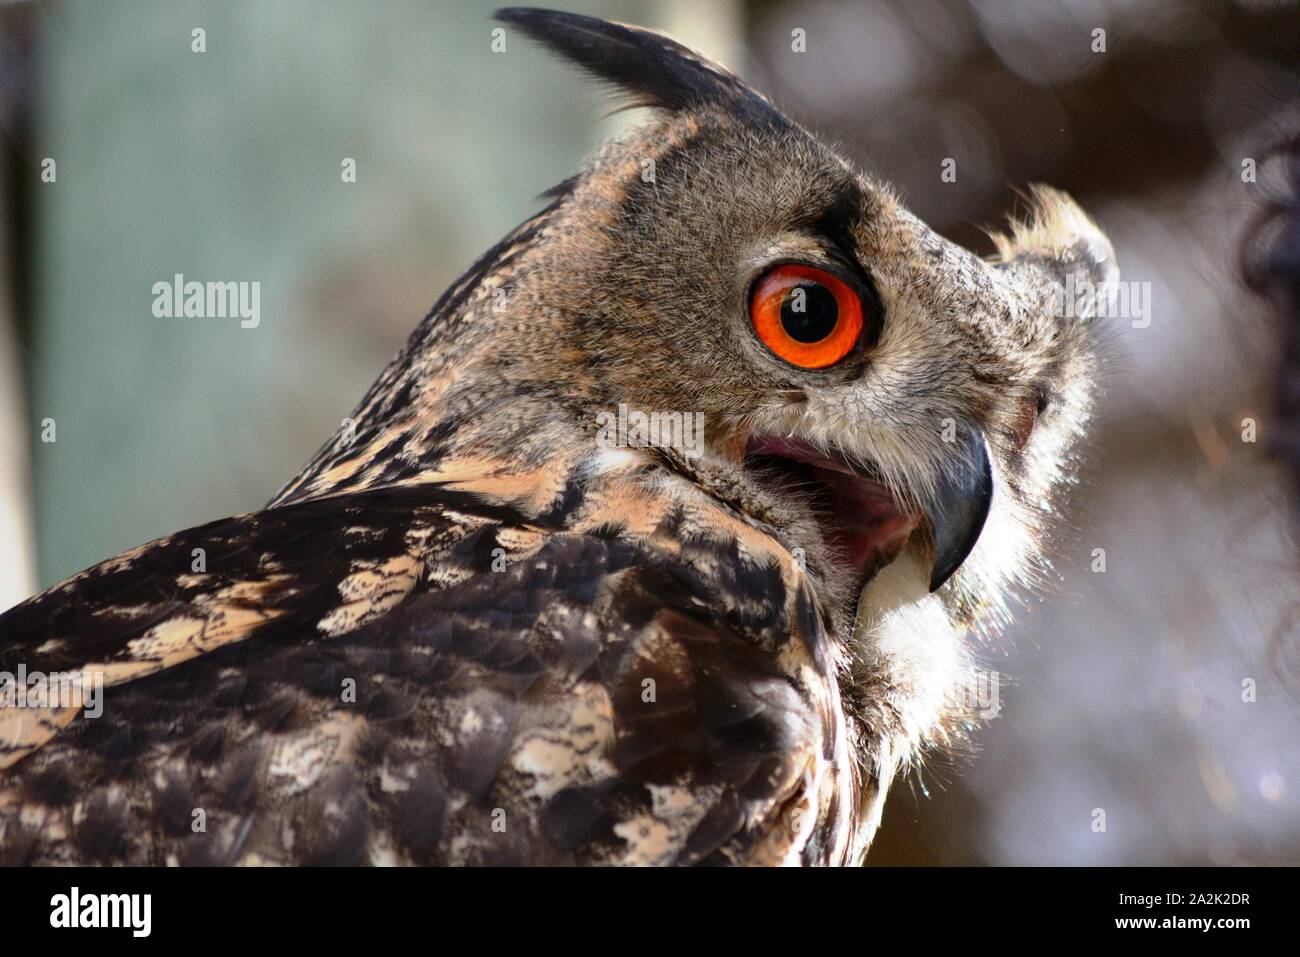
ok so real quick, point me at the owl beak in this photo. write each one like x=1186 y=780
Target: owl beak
x=959 y=508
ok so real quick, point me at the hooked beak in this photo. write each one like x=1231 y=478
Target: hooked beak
x=960 y=506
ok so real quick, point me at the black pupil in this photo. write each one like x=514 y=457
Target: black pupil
x=809 y=312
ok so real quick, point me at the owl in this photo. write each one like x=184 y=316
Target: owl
x=669 y=537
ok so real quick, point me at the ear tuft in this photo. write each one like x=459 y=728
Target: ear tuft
x=1057 y=232
x=652 y=69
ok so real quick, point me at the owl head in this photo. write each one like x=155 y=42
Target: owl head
x=896 y=410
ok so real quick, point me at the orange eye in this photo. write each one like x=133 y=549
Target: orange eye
x=806 y=316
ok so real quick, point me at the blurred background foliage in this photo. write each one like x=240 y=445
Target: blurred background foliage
x=1122 y=692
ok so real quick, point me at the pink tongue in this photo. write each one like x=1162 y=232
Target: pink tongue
x=868 y=526
x=865 y=525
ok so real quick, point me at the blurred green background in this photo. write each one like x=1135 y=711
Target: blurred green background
x=225 y=165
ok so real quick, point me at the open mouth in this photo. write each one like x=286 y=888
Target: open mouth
x=858 y=516
x=862 y=521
